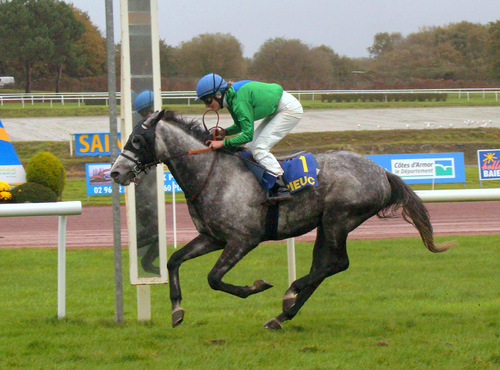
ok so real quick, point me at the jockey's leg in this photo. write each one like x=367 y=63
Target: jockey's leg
x=269 y=133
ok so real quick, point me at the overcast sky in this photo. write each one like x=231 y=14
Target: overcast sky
x=347 y=26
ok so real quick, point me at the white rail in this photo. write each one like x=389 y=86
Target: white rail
x=61 y=209
x=458 y=195
x=189 y=96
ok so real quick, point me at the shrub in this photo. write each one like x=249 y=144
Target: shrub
x=31 y=192
x=46 y=169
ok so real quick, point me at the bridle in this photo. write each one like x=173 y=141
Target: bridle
x=141 y=167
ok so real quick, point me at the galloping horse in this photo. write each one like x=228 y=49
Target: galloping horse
x=227 y=205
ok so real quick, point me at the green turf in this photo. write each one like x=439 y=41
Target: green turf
x=57 y=109
x=398 y=306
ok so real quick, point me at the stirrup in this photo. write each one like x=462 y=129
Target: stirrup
x=279 y=191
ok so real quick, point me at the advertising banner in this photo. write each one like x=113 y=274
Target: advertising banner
x=424 y=168
x=488 y=164
x=94 y=144
x=99 y=180
x=11 y=169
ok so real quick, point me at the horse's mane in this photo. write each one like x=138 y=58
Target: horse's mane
x=192 y=128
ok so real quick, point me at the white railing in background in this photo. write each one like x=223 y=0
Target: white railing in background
x=63 y=210
x=459 y=195
x=189 y=96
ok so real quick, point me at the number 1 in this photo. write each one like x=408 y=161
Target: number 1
x=304 y=163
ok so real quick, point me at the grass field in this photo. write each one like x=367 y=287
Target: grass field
x=397 y=307
x=12 y=110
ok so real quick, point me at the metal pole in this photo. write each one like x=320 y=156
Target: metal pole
x=113 y=137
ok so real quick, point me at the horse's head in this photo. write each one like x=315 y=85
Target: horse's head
x=139 y=153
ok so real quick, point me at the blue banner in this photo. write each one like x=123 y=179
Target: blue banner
x=424 y=168
x=94 y=144
x=488 y=164
x=170 y=183
x=99 y=180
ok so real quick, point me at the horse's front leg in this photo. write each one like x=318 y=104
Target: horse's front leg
x=232 y=254
x=199 y=246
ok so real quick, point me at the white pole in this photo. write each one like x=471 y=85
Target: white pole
x=174 y=216
x=290 y=247
x=61 y=268
x=160 y=182
x=143 y=303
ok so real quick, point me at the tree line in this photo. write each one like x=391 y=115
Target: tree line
x=51 y=45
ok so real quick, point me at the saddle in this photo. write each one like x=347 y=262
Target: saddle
x=300 y=170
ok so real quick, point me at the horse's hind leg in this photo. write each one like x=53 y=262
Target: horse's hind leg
x=199 y=246
x=232 y=254
x=329 y=258
x=149 y=257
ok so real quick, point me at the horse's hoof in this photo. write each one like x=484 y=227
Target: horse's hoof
x=289 y=301
x=177 y=317
x=273 y=324
x=261 y=285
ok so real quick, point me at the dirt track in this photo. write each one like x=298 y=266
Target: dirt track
x=94 y=227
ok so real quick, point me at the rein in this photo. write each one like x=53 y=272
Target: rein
x=140 y=167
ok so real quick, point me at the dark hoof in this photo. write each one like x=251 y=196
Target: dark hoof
x=289 y=301
x=177 y=317
x=261 y=285
x=273 y=324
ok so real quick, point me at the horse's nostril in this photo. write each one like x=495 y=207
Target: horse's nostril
x=114 y=174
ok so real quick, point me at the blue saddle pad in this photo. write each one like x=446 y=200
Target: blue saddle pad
x=300 y=172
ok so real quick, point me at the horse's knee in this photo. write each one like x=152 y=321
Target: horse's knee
x=340 y=266
x=214 y=281
x=173 y=261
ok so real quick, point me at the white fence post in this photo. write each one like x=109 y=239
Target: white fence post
x=290 y=247
x=61 y=268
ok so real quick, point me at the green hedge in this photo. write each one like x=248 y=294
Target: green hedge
x=381 y=97
x=31 y=192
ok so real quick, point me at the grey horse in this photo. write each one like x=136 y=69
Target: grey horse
x=227 y=205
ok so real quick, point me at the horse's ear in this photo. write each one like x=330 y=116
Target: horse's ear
x=160 y=115
x=153 y=119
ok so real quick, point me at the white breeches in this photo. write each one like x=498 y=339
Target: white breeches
x=274 y=128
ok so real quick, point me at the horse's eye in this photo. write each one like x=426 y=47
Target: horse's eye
x=136 y=142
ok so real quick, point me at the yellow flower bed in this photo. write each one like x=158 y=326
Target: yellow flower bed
x=5 y=191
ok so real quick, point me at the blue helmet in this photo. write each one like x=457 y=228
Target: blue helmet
x=209 y=85
x=144 y=100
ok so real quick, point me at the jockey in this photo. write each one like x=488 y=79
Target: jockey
x=144 y=103
x=247 y=102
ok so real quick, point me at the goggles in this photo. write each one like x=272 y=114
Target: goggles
x=207 y=99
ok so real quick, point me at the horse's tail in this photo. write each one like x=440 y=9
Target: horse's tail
x=413 y=211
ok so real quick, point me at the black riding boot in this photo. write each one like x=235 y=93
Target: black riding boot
x=279 y=191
